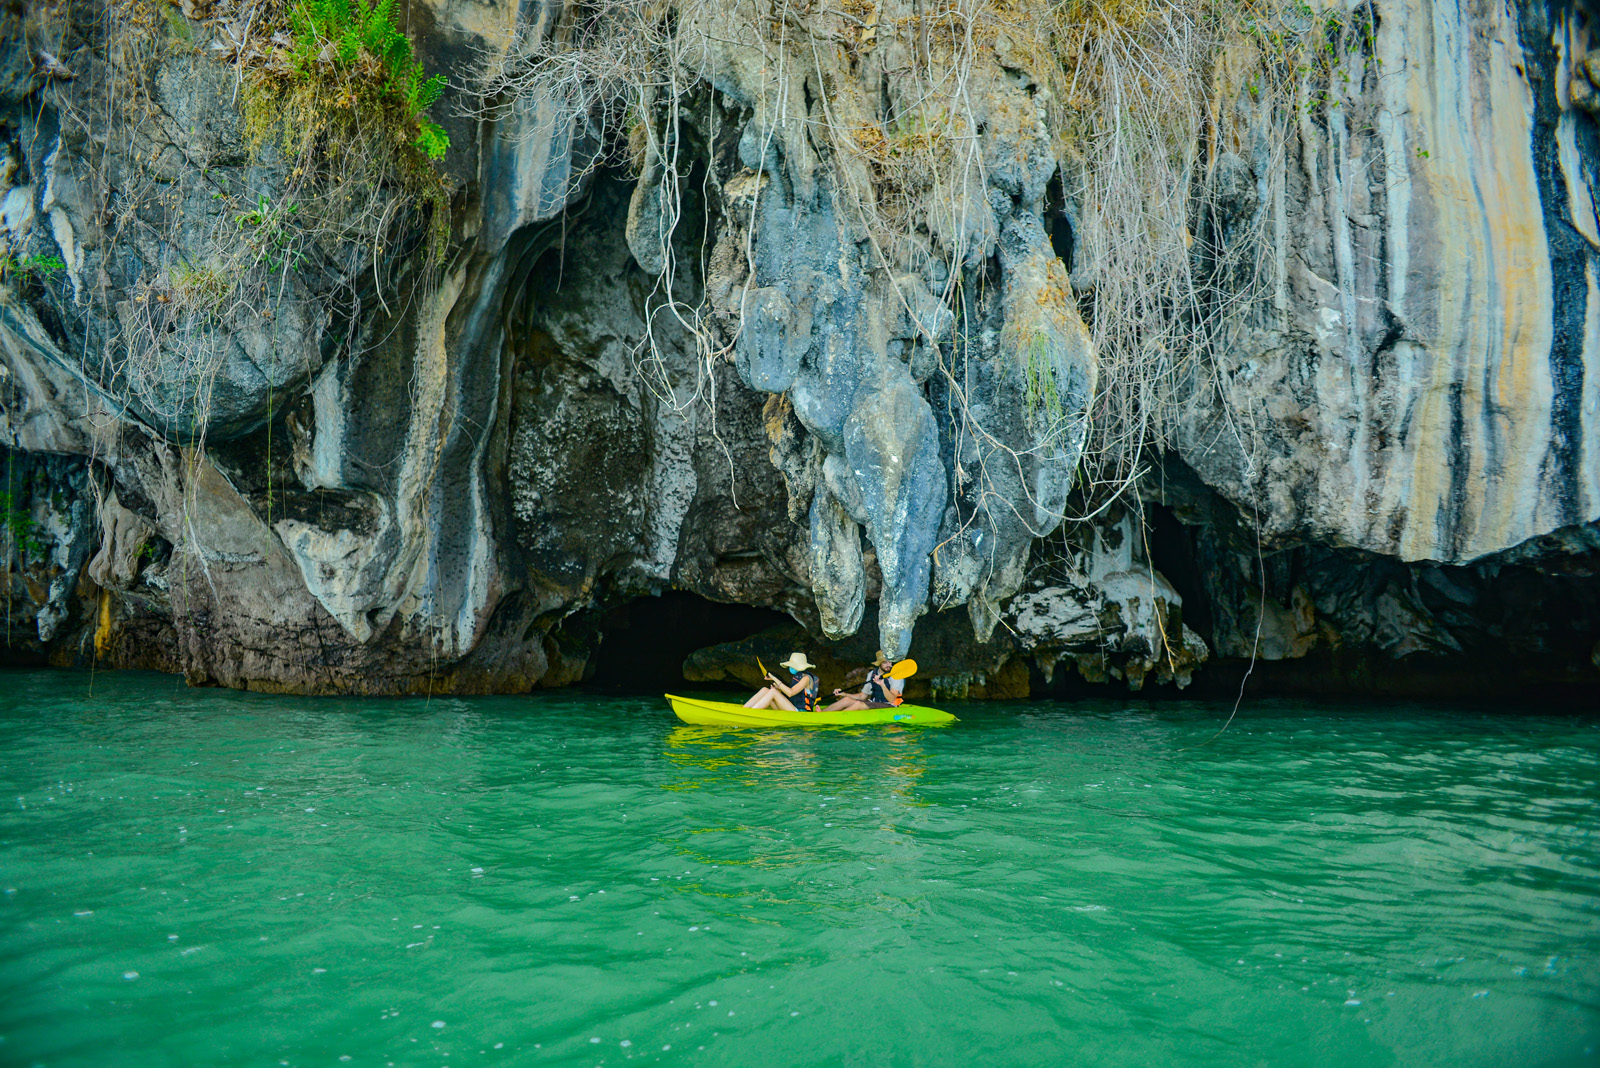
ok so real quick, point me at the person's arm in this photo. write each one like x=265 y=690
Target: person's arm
x=790 y=691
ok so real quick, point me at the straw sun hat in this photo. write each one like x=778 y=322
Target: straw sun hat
x=797 y=662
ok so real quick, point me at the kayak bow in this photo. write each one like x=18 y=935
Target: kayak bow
x=726 y=714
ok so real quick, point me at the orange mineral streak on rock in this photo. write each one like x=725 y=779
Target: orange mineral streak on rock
x=102 y=630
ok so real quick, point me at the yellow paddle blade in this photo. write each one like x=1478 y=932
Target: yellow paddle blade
x=762 y=666
x=903 y=670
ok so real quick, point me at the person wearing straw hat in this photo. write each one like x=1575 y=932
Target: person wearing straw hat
x=803 y=682
x=879 y=691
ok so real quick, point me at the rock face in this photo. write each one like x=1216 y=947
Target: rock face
x=1422 y=384
x=749 y=365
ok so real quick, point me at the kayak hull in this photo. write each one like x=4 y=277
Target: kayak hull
x=727 y=714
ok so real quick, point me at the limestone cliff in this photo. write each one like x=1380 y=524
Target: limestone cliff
x=832 y=315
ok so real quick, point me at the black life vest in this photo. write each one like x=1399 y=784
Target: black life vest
x=808 y=696
x=879 y=689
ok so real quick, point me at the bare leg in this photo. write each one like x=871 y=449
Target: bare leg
x=761 y=698
x=771 y=698
x=847 y=704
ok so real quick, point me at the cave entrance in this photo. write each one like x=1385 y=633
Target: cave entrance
x=643 y=643
x=1174 y=554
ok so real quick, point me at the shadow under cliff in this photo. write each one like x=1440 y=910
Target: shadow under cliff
x=643 y=644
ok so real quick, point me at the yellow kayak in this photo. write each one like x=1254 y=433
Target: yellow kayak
x=726 y=714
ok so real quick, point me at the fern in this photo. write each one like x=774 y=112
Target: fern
x=432 y=140
x=350 y=31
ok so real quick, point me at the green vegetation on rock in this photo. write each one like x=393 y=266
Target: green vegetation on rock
x=26 y=268
x=346 y=101
x=19 y=527
x=353 y=37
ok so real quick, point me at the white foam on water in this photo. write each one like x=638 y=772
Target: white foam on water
x=88 y=912
x=594 y=1042
x=437 y=1024
x=130 y=976
x=625 y=1043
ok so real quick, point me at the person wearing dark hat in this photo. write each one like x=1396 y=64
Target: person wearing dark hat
x=803 y=682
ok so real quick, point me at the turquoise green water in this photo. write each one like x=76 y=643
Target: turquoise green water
x=210 y=878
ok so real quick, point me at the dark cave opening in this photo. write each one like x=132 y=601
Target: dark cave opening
x=644 y=642
x=1172 y=552
x=1058 y=222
